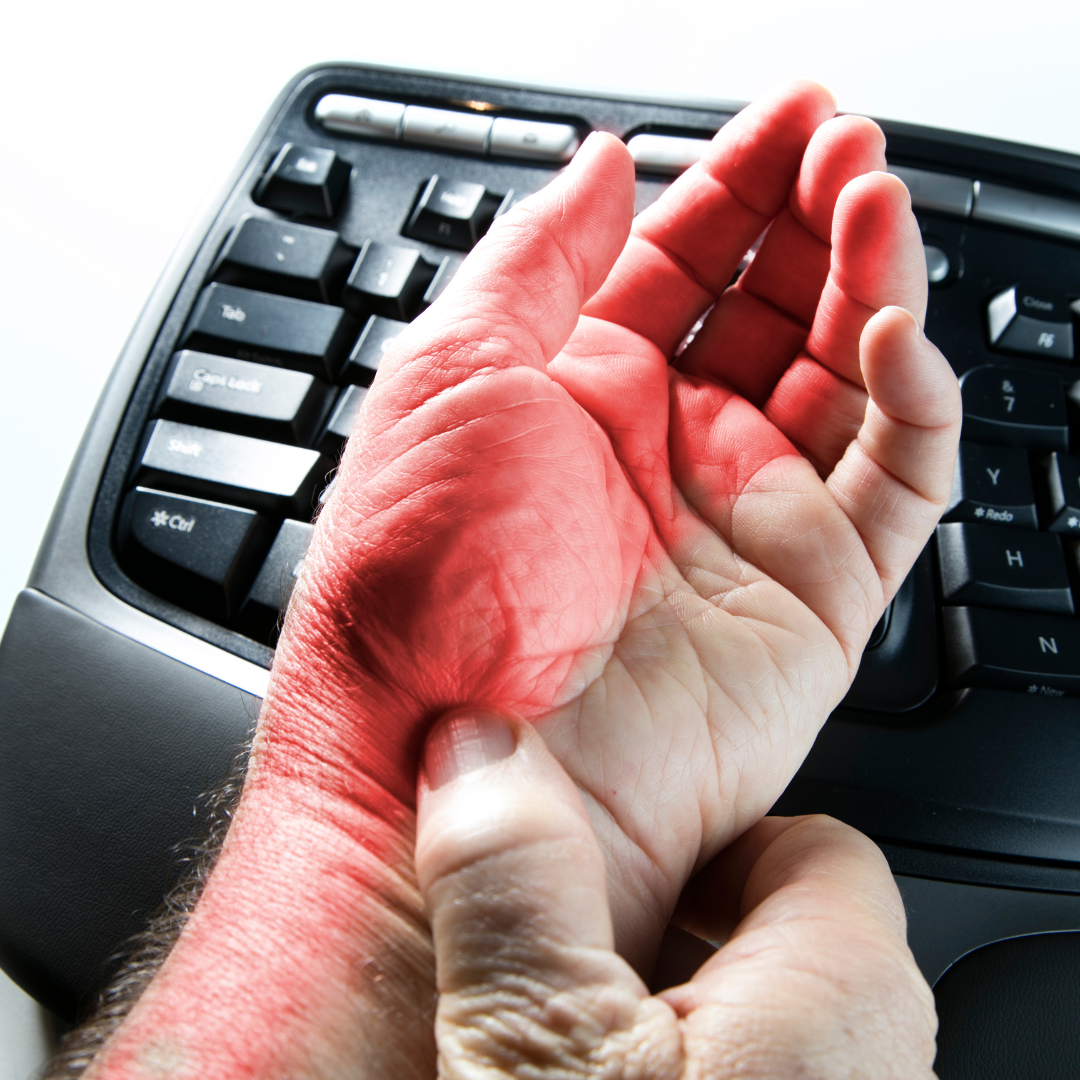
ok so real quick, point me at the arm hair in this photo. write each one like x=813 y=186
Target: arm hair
x=145 y=952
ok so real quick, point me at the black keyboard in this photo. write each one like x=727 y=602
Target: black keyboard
x=132 y=664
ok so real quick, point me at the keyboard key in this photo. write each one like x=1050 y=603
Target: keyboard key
x=937 y=191
x=445 y=129
x=270 y=592
x=306 y=179
x=1031 y=321
x=453 y=213
x=1026 y=210
x=443 y=276
x=360 y=116
x=1013 y=407
x=368 y=352
x=1038 y=654
x=202 y=554
x=388 y=281
x=270 y=329
x=1062 y=477
x=980 y=564
x=666 y=154
x=899 y=668
x=249 y=399
x=341 y=421
x=230 y=468
x=992 y=485
x=938 y=266
x=276 y=257
x=533 y=139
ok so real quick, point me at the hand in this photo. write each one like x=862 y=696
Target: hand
x=671 y=570
x=815 y=978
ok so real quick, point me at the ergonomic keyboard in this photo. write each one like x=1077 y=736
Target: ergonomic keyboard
x=132 y=665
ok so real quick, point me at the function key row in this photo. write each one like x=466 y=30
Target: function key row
x=447 y=129
x=960 y=196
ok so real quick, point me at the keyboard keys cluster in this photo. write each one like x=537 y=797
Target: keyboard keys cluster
x=268 y=376
x=1009 y=566
x=305 y=295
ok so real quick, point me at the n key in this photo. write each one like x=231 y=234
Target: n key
x=1038 y=654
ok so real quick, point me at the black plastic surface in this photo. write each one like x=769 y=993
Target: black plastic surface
x=105 y=748
x=1011 y=1010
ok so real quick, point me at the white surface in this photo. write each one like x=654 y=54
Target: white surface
x=24 y=1034
x=119 y=119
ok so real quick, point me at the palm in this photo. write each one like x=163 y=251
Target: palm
x=634 y=555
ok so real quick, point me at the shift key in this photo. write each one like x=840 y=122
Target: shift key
x=229 y=468
x=264 y=328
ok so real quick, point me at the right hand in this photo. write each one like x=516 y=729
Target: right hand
x=671 y=570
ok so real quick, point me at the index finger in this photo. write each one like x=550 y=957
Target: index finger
x=684 y=248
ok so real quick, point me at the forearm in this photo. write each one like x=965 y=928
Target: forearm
x=305 y=953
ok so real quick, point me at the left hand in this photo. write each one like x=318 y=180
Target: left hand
x=815 y=978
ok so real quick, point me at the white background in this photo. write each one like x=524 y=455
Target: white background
x=120 y=119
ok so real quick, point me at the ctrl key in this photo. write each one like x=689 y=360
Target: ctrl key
x=1038 y=654
x=199 y=554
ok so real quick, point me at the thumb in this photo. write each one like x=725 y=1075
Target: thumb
x=514 y=883
x=517 y=297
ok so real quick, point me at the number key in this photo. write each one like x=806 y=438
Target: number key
x=1013 y=407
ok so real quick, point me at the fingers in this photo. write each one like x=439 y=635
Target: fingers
x=759 y=325
x=685 y=247
x=876 y=261
x=514 y=883
x=895 y=478
x=817 y=976
x=517 y=296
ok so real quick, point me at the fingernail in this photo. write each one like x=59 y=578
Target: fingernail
x=465 y=742
x=915 y=324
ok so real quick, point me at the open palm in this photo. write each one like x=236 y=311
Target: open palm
x=671 y=568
